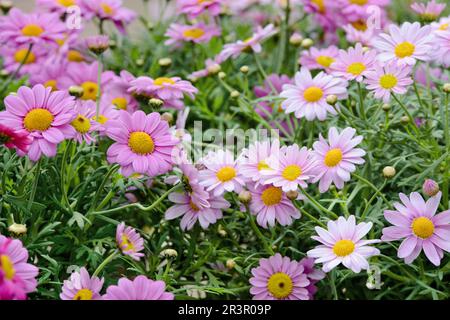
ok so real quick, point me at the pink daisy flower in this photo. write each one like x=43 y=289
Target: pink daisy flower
x=354 y=9
x=142 y=145
x=354 y=63
x=290 y=168
x=17 y=277
x=269 y=204
x=107 y=112
x=19 y=140
x=254 y=159
x=58 y=6
x=117 y=92
x=129 y=241
x=405 y=44
x=324 y=12
x=49 y=74
x=442 y=25
x=210 y=67
x=14 y=56
x=342 y=243
x=273 y=81
x=141 y=288
x=221 y=174
x=442 y=54
x=417 y=223
x=336 y=158
x=112 y=10
x=185 y=206
x=46 y=115
x=307 y=97
x=81 y=286
x=314 y=275
x=364 y=36
x=319 y=58
x=253 y=43
x=193 y=8
x=279 y=278
x=84 y=123
x=388 y=79
x=178 y=34
x=27 y=28
x=429 y=11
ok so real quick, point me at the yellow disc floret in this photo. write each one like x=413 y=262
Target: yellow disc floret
x=325 y=61
x=141 y=143
x=163 y=80
x=21 y=56
x=313 y=94
x=280 y=285
x=120 y=103
x=404 y=49
x=272 y=196
x=388 y=81
x=292 y=172
x=32 y=30
x=193 y=33
x=83 y=294
x=343 y=248
x=333 y=157
x=81 y=124
x=226 y=174
x=38 y=120
x=356 y=68
x=422 y=227
x=90 y=90
x=7 y=267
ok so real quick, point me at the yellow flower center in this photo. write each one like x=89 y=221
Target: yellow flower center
x=360 y=25
x=320 y=4
x=324 y=61
x=83 y=294
x=292 y=172
x=90 y=90
x=333 y=157
x=359 y=2
x=38 y=120
x=32 y=30
x=343 y=248
x=141 y=143
x=356 y=68
x=194 y=33
x=272 y=196
x=193 y=206
x=163 y=80
x=51 y=84
x=126 y=244
x=280 y=285
x=101 y=119
x=20 y=55
x=81 y=124
x=7 y=266
x=120 y=103
x=313 y=94
x=226 y=174
x=423 y=227
x=66 y=3
x=444 y=26
x=107 y=8
x=388 y=81
x=404 y=49
x=75 y=56
x=262 y=165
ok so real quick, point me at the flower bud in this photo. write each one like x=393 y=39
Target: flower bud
x=222 y=233
x=386 y=107
x=112 y=44
x=214 y=68
x=17 y=229
x=165 y=62
x=332 y=99
x=166 y=116
x=230 y=264
x=155 y=103
x=389 y=172
x=222 y=75
x=245 y=196
x=5 y=6
x=235 y=94
x=140 y=62
x=292 y=195
x=307 y=43
x=296 y=39
x=430 y=188
x=98 y=44
x=404 y=120
x=446 y=87
x=169 y=253
x=4 y=73
x=76 y=91
x=244 y=69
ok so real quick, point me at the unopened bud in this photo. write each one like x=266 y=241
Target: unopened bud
x=446 y=87
x=235 y=94
x=244 y=69
x=112 y=44
x=230 y=264
x=292 y=195
x=140 y=62
x=430 y=188
x=213 y=69
x=307 y=43
x=222 y=233
x=165 y=62
x=386 y=107
x=296 y=39
x=155 y=103
x=332 y=99
x=169 y=253
x=245 y=196
x=4 y=73
x=5 y=6
x=222 y=75
x=76 y=91
x=17 y=229
x=389 y=172
x=98 y=44
x=166 y=116
x=404 y=120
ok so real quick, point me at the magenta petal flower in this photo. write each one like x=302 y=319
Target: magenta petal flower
x=319 y=58
x=129 y=241
x=429 y=11
x=269 y=204
x=279 y=278
x=17 y=277
x=417 y=223
x=342 y=243
x=337 y=157
x=46 y=115
x=197 y=33
x=254 y=159
x=84 y=122
x=58 y=6
x=81 y=286
x=141 y=288
x=19 y=140
x=143 y=143
x=193 y=8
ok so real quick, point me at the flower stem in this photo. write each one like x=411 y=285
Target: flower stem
x=377 y=191
x=361 y=102
x=105 y=262
x=35 y=184
x=447 y=145
x=259 y=234
x=319 y=206
x=411 y=119
x=16 y=72
x=99 y=84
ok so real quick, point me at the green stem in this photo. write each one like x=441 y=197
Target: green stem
x=16 y=72
x=405 y=109
x=319 y=206
x=63 y=175
x=361 y=102
x=99 y=84
x=111 y=171
x=259 y=234
x=373 y=187
x=447 y=145
x=35 y=184
x=263 y=73
x=105 y=262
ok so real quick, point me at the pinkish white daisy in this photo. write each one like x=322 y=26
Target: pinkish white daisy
x=336 y=158
x=117 y=93
x=193 y=8
x=405 y=44
x=178 y=34
x=129 y=241
x=429 y=11
x=417 y=223
x=388 y=79
x=80 y=286
x=307 y=97
x=342 y=243
x=315 y=58
x=84 y=123
x=354 y=63
x=15 y=56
